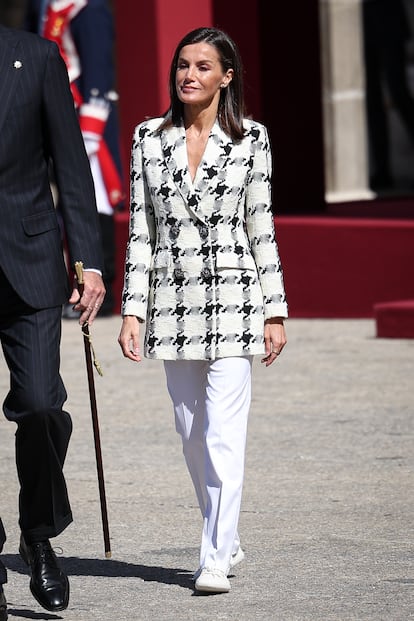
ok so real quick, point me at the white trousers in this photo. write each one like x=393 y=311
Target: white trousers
x=211 y=402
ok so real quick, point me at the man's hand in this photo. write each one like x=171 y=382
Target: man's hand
x=92 y=297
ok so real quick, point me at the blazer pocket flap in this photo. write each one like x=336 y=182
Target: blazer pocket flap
x=231 y=260
x=40 y=223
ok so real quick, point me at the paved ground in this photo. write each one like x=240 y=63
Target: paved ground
x=327 y=515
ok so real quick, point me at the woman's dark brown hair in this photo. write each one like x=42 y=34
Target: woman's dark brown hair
x=231 y=107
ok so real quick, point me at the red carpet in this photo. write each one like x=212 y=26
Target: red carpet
x=335 y=267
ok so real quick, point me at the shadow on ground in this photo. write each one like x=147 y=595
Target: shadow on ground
x=75 y=566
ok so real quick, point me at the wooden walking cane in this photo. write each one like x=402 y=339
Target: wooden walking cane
x=92 y=396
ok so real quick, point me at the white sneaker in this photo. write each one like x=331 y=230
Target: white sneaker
x=212 y=580
x=235 y=559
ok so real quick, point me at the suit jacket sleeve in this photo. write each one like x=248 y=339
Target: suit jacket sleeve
x=71 y=165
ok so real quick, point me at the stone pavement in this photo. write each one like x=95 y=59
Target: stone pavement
x=327 y=513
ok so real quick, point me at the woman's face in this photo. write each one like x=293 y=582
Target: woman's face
x=200 y=75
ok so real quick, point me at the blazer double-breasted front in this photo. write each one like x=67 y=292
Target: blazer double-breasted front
x=202 y=265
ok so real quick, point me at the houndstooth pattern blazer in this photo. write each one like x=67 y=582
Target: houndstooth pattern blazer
x=202 y=264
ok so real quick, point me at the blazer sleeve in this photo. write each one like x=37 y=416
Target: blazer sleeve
x=141 y=240
x=76 y=193
x=260 y=227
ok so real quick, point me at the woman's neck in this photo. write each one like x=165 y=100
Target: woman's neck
x=199 y=122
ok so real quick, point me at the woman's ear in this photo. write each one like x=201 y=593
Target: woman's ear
x=227 y=79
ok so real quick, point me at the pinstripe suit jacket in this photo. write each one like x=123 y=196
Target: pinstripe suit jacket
x=202 y=265
x=38 y=124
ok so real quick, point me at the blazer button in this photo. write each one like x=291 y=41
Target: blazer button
x=203 y=232
x=178 y=274
x=174 y=231
x=206 y=274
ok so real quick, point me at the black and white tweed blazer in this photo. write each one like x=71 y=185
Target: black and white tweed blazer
x=202 y=265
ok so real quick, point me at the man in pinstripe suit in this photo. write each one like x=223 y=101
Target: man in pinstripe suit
x=39 y=129
x=84 y=32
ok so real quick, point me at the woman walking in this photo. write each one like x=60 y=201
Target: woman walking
x=203 y=276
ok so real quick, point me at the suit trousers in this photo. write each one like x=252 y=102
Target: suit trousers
x=211 y=401
x=30 y=340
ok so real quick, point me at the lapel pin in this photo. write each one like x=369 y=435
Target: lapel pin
x=17 y=64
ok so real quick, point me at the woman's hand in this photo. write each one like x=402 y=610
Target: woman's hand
x=129 y=338
x=275 y=339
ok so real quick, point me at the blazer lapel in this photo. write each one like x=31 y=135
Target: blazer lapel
x=175 y=156
x=11 y=66
x=214 y=158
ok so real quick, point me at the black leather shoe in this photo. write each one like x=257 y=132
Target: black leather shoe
x=3 y=605
x=48 y=584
